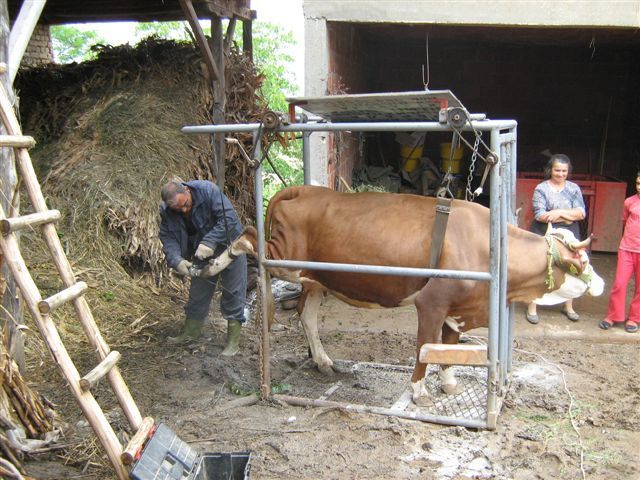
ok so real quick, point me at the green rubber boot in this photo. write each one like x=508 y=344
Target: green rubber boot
x=233 y=338
x=192 y=331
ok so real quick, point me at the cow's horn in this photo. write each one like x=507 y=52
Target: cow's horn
x=575 y=262
x=584 y=243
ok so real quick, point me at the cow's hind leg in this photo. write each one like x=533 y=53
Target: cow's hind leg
x=431 y=314
x=310 y=301
x=448 y=381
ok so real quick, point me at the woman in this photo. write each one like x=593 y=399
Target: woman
x=559 y=202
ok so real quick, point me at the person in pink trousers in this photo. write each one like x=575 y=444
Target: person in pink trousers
x=628 y=265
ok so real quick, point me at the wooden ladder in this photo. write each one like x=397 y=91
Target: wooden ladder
x=41 y=309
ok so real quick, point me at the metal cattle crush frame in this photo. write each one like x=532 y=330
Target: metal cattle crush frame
x=434 y=107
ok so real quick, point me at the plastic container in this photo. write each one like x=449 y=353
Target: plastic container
x=167 y=457
x=451 y=162
x=224 y=466
x=410 y=157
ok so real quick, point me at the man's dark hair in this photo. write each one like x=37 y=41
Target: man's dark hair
x=170 y=191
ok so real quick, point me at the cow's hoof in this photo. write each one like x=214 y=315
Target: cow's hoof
x=423 y=401
x=326 y=370
x=450 y=389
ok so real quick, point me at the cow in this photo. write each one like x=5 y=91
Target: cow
x=311 y=223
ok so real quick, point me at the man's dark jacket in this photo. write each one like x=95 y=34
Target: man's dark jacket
x=207 y=218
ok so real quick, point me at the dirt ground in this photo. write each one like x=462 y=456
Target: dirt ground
x=572 y=409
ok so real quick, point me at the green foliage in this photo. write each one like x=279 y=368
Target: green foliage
x=70 y=44
x=168 y=30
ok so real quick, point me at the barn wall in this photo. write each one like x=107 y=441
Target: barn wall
x=40 y=49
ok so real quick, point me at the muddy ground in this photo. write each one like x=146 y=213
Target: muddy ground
x=572 y=411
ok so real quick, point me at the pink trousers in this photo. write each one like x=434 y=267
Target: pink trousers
x=628 y=264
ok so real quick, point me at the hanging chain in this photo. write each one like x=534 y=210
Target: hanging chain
x=260 y=307
x=469 y=195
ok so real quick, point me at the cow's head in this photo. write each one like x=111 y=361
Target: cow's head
x=571 y=256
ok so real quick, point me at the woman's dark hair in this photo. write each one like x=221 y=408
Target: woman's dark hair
x=557 y=158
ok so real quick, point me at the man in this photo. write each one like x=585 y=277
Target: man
x=198 y=222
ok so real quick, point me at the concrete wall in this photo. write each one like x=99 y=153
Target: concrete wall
x=581 y=13
x=40 y=49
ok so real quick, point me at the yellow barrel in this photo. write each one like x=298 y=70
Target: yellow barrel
x=410 y=157
x=451 y=162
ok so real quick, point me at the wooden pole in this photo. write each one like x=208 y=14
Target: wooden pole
x=12 y=314
x=219 y=103
x=247 y=38
x=8 y=225
x=91 y=378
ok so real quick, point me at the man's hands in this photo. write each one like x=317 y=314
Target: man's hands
x=183 y=268
x=203 y=252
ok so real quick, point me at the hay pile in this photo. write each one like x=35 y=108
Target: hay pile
x=108 y=134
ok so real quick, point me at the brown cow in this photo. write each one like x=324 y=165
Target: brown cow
x=316 y=224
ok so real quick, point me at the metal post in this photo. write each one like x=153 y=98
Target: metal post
x=504 y=257
x=265 y=358
x=512 y=213
x=494 y=292
x=306 y=157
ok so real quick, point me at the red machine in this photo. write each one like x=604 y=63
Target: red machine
x=603 y=197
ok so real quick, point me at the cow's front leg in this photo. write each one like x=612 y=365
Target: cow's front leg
x=311 y=299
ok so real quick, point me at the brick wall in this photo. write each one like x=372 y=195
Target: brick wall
x=40 y=49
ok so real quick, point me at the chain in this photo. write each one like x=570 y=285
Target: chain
x=469 y=195
x=258 y=325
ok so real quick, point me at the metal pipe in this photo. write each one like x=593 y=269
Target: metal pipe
x=411 y=415
x=514 y=164
x=265 y=358
x=488 y=125
x=379 y=269
x=306 y=157
x=505 y=183
x=494 y=286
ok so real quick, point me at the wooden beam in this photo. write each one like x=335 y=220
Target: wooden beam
x=229 y=8
x=137 y=441
x=190 y=13
x=71 y=293
x=13 y=224
x=219 y=100
x=104 y=367
x=228 y=37
x=442 y=354
x=17 y=141
x=247 y=38
x=21 y=33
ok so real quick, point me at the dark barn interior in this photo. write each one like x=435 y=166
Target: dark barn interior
x=570 y=90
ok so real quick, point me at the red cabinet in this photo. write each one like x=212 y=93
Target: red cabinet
x=603 y=197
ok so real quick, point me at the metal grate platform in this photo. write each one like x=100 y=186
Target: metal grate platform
x=386 y=386
x=379 y=107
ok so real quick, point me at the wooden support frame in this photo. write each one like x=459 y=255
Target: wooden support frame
x=192 y=18
x=461 y=354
